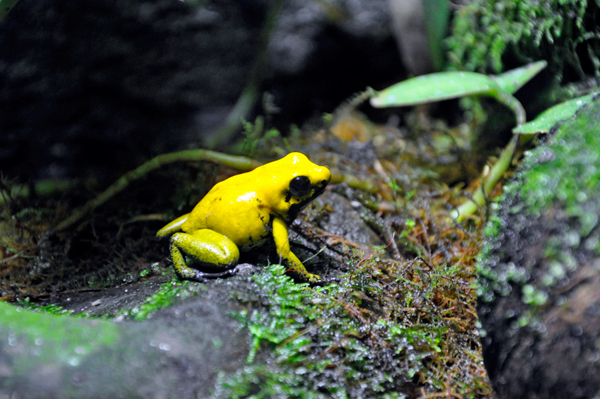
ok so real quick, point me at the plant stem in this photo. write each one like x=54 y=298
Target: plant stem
x=236 y=162
x=489 y=181
x=501 y=166
x=240 y=163
x=353 y=181
x=511 y=103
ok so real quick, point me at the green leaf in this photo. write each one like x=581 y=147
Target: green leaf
x=446 y=85
x=547 y=119
x=6 y=6
x=437 y=13
x=434 y=87
x=514 y=79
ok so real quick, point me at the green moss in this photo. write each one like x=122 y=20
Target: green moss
x=563 y=32
x=569 y=175
x=52 y=309
x=168 y=293
x=313 y=343
x=557 y=194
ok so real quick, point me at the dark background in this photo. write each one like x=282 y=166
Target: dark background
x=93 y=88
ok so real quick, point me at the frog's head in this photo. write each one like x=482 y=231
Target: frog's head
x=295 y=182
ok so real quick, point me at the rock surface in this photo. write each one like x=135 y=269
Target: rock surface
x=175 y=354
x=539 y=288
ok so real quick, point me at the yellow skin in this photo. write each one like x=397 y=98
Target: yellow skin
x=242 y=213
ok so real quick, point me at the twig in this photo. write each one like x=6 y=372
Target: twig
x=353 y=181
x=236 y=162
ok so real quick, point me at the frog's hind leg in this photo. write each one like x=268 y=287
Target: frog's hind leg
x=211 y=250
x=172 y=227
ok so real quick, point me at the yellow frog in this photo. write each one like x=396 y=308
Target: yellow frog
x=243 y=212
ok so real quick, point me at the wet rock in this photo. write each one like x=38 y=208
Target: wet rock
x=345 y=221
x=107 y=301
x=175 y=354
x=539 y=285
x=322 y=53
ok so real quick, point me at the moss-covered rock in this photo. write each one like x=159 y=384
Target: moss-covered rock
x=495 y=35
x=539 y=284
x=177 y=353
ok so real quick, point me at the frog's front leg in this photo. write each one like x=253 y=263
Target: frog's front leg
x=282 y=244
x=212 y=251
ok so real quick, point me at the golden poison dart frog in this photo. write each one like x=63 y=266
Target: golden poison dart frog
x=242 y=213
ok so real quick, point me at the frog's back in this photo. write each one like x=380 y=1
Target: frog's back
x=229 y=208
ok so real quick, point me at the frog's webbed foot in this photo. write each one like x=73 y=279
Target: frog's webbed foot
x=314 y=280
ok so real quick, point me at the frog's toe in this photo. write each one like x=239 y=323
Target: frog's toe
x=191 y=274
x=312 y=278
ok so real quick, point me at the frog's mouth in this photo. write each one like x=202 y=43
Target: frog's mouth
x=295 y=209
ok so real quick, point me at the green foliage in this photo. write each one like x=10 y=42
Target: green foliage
x=168 y=293
x=446 y=85
x=513 y=80
x=394 y=186
x=434 y=87
x=410 y=224
x=560 y=31
x=437 y=13
x=255 y=133
x=315 y=343
x=281 y=323
x=550 y=117
x=571 y=176
x=53 y=309
x=560 y=179
x=6 y=6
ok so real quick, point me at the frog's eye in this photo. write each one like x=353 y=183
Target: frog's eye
x=300 y=186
